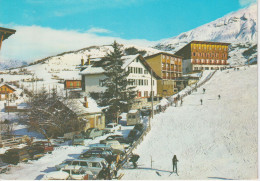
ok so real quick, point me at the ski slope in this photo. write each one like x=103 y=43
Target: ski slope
x=216 y=140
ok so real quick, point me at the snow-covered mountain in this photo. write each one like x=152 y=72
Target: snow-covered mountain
x=238 y=28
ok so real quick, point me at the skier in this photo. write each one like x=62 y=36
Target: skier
x=201 y=101
x=134 y=159
x=218 y=96
x=174 y=164
x=204 y=90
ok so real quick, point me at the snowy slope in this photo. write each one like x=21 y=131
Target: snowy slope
x=238 y=28
x=212 y=141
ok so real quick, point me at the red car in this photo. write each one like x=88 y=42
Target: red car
x=42 y=146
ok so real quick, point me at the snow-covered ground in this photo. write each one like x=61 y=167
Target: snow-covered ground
x=216 y=140
x=36 y=169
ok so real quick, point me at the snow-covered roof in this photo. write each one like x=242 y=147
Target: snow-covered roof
x=77 y=106
x=92 y=70
x=126 y=61
x=8 y=85
x=133 y=111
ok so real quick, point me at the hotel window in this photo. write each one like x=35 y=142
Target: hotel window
x=194 y=54
x=145 y=72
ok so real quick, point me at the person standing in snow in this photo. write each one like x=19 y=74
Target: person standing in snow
x=204 y=90
x=181 y=102
x=200 y=101
x=134 y=159
x=174 y=164
x=218 y=96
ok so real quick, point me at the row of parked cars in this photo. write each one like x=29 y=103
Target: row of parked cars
x=89 y=164
x=14 y=156
x=92 y=133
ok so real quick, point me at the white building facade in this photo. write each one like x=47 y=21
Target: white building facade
x=140 y=76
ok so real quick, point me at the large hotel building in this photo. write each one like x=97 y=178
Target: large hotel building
x=169 y=68
x=202 y=55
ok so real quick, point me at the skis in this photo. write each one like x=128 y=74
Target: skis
x=172 y=173
x=158 y=173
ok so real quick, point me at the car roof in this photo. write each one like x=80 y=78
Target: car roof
x=92 y=159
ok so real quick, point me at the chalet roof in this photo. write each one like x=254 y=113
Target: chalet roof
x=77 y=106
x=10 y=87
x=201 y=42
x=210 y=42
x=162 y=53
x=126 y=61
x=6 y=32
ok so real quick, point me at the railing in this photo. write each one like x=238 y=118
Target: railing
x=11 y=142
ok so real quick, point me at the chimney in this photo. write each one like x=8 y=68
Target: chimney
x=89 y=59
x=82 y=61
x=86 y=102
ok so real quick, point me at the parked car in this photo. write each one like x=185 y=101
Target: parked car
x=34 y=152
x=119 y=138
x=14 y=156
x=56 y=175
x=42 y=146
x=92 y=164
x=4 y=167
x=112 y=127
x=63 y=164
x=78 y=139
x=134 y=135
x=92 y=133
x=99 y=153
x=139 y=127
x=114 y=144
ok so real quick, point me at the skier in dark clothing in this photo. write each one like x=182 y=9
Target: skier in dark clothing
x=102 y=174
x=218 y=96
x=174 y=164
x=201 y=101
x=204 y=90
x=134 y=159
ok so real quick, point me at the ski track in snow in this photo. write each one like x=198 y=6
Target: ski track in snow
x=215 y=140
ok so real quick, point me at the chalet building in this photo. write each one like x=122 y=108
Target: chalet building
x=140 y=76
x=4 y=34
x=202 y=55
x=169 y=69
x=6 y=92
x=88 y=111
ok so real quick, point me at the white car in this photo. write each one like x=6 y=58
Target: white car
x=112 y=127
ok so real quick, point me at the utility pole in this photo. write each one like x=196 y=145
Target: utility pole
x=151 y=92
